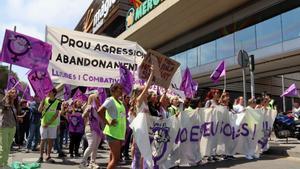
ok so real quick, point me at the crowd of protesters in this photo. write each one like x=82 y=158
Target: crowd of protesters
x=51 y=122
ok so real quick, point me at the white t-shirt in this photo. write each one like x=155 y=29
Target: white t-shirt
x=111 y=108
x=296 y=111
x=238 y=108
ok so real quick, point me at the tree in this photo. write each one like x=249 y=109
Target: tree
x=4 y=71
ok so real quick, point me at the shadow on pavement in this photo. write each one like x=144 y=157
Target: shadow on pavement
x=269 y=155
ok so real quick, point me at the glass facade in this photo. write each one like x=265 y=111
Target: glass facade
x=245 y=39
x=277 y=29
x=225 y=47
x=268 y=32
x=291 y=24
x=192 y=57
x=208 y=52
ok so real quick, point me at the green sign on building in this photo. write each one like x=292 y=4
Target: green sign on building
x=133 y=15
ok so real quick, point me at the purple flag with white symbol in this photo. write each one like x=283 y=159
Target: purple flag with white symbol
x=12 y=82
x=40 y=82
x=80 y=96
x=291 y=91
x=218 y=72
x=26 y=51
x=187 y=84
x=67 y=91
x=126 y=79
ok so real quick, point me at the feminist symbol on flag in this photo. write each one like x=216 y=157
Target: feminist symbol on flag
x=159 y=138
x=18 y=45
x=38 y=76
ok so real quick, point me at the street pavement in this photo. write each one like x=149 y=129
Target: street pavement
x=281 y=155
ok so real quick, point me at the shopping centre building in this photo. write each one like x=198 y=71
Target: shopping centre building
x=201 y=33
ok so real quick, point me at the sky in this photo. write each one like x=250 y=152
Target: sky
x=31 y=16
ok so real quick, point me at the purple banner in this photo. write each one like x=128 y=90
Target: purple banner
x=40 y=82
x=12 y=82
x=291 y=91
x=26 y=94
x=218 y=72
x=187 y=84
x=26 y=51
x=126 y=79
x=80 y=96
x=67 y=91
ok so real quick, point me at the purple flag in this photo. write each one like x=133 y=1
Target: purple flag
x=101 y=92
x=80 y=96
x=102 y=95
x=12 y=82
x=187 y=84
x=25 y=51
x=40 y=82
x=291 y=91
x=218 y=72
x=126 y=79
x=67 y=91
x=26 y=94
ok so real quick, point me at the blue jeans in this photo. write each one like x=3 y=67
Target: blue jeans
x=34 y=136
x=58 y=142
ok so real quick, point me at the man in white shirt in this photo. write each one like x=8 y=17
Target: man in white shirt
x=296 y=110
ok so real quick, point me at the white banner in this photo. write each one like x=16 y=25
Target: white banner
x=202 y=132
x=85 y=59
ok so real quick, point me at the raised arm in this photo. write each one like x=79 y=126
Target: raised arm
x=140 y=98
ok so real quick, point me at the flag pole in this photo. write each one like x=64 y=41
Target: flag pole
x=10 y=65
x=225 y=78
x=24 y=92
x=224 y=90
x=283 y=98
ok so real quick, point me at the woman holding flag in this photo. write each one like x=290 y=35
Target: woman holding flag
x=8 y=113
x=93 y=132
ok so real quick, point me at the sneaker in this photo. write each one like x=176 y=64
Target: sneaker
x=93 y=166
x=249 y=157
x=256 y=156
x=50 y=160
x=121 y=161
x=210 y=159
x=40 y=160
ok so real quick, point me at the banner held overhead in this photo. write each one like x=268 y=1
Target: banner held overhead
x=84 y=59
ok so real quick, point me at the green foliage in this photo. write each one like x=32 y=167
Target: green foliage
x=4 y=71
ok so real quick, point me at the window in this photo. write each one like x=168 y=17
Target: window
x=245 y=39
x=192 y=57
x=208 y=52
x=225 y=47
x=268 y=32
x=181 y=58
x=291 y=24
